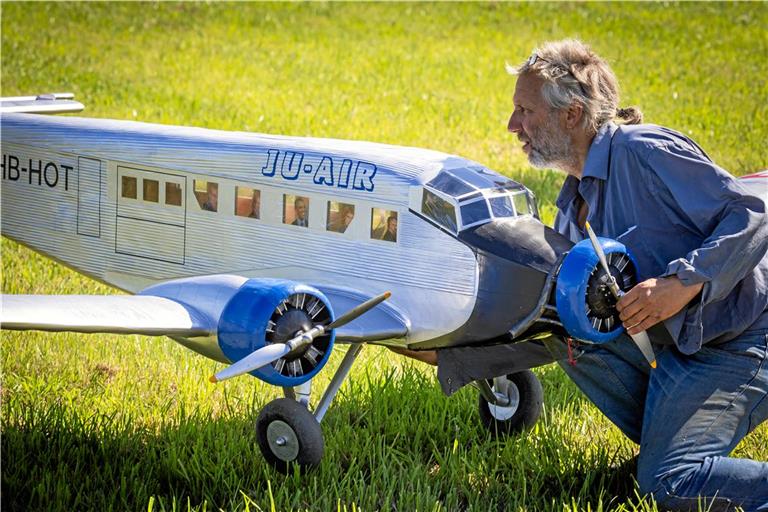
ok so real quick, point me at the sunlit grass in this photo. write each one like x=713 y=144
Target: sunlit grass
x=129 y=423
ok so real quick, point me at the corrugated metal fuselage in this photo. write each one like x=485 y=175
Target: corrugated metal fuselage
x=61 y=196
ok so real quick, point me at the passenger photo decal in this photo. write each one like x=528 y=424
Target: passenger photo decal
x=384 y=224
x=296 y=210
x=248 y=202
x=207 y=195
x=340 y=216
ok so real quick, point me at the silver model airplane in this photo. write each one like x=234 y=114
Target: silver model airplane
x=262 y=252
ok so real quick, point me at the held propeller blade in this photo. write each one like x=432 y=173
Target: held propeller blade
x=641 y=339
x=271 y=353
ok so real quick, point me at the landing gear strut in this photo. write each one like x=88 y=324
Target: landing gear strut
x=286 y=430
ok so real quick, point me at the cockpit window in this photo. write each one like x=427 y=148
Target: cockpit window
x=474 y=212
x=445 y=182
x=522 y=205
x=465 y=197
x=439 y=210
x=501 y=207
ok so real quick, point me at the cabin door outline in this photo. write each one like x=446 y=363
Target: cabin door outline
x=151 y=228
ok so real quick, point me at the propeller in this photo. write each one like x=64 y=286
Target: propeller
x=271 y=353
x=641 y=339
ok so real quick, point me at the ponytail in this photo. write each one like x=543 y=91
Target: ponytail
x=630 y=115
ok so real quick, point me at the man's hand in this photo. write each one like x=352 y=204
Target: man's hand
x=654 y=300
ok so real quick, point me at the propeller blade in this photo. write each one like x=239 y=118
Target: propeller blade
x=357 y=311
x=641 y=339
x=643 y=342
x=253 y=361
x=613 y=286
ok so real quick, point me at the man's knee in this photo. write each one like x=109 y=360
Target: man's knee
x=667 y=487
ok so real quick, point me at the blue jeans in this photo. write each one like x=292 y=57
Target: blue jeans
x=687 y=415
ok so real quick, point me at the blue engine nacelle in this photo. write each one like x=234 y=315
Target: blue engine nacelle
x=584 y=302
x=266 y=311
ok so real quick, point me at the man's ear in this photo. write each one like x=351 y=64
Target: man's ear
x=573 y=115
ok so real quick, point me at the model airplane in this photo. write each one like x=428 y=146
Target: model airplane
x=262 y=252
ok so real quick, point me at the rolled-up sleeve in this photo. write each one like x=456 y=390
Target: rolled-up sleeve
x=733 y=224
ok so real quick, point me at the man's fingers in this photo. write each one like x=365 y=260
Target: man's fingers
x=637 y=319
x=630 y=310
x=643 y=326
x=627 y=299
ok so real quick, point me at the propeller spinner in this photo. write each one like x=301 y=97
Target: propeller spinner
x=271 y=353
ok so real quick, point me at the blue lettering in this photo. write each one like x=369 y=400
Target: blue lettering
x=271 y=165
x=364 y=174
x=324 y=172
x=291 y=165
x=344 y=172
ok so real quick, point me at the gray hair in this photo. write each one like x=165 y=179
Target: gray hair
x=572 y=72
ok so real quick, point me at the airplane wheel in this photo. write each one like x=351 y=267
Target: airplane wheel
x=287 y=432
x=526 y=399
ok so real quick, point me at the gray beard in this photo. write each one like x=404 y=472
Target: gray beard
x=553 y=149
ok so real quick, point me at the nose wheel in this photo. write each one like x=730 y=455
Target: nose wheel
x=288 y=433
x=517 y=402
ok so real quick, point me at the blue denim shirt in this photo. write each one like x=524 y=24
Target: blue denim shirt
x=678 y=213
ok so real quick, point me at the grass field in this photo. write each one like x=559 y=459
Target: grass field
x=131 y=423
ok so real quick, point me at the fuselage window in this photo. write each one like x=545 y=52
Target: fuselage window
x=439 y=210
x=383 y=225
x=172 y=194
x=340 y=216
x=296 y=210
x=207 y=195
x=128 y=186
x=248 y=202
x=151 y=190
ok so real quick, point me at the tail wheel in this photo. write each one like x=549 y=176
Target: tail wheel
x=288 y=433
x=526 y=399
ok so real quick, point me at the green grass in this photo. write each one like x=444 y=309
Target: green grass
x=129 y=423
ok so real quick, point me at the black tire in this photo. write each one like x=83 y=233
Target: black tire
x=287 y=419
x=528 y=409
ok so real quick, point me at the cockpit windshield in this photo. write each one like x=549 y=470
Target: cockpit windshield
x=439 y=210
x=477 y=195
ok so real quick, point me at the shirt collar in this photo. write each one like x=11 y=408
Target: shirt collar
x=596 y=165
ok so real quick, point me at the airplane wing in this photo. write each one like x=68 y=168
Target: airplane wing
x=57 y=103
x=381 y=323
x=188 y=308
x=119 y=314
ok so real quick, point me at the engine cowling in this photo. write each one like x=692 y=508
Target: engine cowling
x=265 y=311
x=584 y=302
